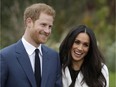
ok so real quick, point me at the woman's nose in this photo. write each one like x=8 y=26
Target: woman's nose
x=80 y=47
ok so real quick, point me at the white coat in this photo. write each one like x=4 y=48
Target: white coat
x=66 y=78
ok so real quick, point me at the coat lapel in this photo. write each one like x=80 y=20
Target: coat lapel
x=24 y=61
x=45 y=62
x=67 y=79
x=79 y=81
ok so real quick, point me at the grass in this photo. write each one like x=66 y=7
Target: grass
x=112 y=79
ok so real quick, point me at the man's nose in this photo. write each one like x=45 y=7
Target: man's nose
x=47 y=30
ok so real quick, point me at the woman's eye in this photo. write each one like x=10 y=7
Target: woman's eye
x=77 y=42
x=86 y=44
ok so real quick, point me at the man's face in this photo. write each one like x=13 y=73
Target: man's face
x=40 y=30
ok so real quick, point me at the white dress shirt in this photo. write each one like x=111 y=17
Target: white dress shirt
x=30 y=49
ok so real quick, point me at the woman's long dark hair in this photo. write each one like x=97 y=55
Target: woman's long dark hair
x=92 y=65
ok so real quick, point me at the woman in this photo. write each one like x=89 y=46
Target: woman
x=82 y=62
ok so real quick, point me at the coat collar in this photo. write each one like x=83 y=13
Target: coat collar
x=45 y=63
x=66 y=78
x=23 y=59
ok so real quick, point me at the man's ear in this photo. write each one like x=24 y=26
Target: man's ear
x=29 y=22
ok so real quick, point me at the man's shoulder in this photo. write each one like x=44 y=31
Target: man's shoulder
x=46 y=48
x=8 y=49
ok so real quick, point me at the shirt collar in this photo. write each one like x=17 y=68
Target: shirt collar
x=30 y=48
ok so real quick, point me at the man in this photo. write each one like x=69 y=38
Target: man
x=18 y=60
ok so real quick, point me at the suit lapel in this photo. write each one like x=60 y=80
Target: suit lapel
x=45 y=63
x=25 y=63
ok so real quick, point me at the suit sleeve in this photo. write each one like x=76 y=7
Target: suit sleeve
x=59 y=74
x=3 y=70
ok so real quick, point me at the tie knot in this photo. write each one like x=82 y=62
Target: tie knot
x=36 y=51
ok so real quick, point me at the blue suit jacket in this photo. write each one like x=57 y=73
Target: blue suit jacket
x=16 y=70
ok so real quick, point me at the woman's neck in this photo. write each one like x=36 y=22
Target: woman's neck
x=76 y=65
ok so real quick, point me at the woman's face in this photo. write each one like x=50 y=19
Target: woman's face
x=80 y=47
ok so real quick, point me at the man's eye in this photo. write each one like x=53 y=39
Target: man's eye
x=43 y=24
x=50 y=27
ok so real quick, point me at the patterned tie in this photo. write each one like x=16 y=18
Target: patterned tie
x=37 y=68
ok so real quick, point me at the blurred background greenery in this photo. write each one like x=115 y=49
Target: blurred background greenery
x=99 y=15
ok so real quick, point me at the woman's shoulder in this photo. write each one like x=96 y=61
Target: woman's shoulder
x=106 y=74
x=105 y=70
x=104 y=67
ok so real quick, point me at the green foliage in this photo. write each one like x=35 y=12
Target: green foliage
x=97 y=14
x=111 y=57
x=112 y=79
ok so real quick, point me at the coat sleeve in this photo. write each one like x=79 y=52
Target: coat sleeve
x=59 y=74
x=106 y=74
x=3 y=70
